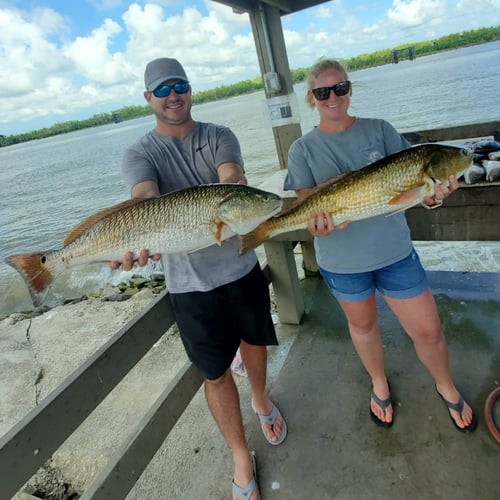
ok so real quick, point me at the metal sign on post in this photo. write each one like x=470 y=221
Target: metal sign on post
x=283 y=110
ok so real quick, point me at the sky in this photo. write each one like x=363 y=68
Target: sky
x=66 y=60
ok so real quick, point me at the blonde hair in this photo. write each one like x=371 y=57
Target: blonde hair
x=318 y=68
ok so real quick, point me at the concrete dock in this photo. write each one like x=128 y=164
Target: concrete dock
x=333 y=449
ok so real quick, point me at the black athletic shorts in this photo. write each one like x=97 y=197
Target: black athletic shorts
x=212 y=324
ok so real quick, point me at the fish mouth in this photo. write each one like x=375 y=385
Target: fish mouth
x=277 y=210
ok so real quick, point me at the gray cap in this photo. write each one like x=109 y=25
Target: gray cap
x=163 y=69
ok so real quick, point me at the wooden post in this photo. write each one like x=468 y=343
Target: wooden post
x=273 y=62
x=285 y=280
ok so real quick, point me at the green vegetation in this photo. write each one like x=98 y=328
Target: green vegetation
x=449 y=42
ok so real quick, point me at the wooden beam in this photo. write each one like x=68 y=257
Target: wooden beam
x=285 y=280
x=31 y=442
x=474 y=130
x=470 y=214
x=123 y=470
x=238 y=5
x=284 y=6
x=272 y=56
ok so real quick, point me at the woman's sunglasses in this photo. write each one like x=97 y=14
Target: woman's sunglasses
x=165 y=90
x=339 y=89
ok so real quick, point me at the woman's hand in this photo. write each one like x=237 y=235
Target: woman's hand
x=321 y=224
x=128 y=260
x=441 y=191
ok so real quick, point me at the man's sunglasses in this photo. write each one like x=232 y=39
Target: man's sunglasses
x=339 y=89
x=165 y=90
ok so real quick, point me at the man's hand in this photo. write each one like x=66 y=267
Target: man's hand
x=128 y=260
x=321 y=224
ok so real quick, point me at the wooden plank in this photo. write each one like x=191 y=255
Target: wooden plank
x=470 y=214
x=123 y=471
x=285 y=280
x=488 y=129
x=32 y=441
x=284 y=6
x=309 y=262
x=272 y=57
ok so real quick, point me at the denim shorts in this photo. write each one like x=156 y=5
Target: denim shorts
x=404 y=279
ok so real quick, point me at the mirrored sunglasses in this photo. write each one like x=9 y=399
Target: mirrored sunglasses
x=165 y=90
x=339 y=89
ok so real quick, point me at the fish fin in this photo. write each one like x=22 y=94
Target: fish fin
x=402 y=209
x=78 y=230
x=38 y=278
x=253 y=239
x=218 y=232
x=408 y=198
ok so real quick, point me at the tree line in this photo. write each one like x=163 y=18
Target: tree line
x=378 y=58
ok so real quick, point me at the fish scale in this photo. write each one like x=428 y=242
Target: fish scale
x=180 y=222
x=385 y=187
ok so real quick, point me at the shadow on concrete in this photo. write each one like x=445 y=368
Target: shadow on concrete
x=334 y=450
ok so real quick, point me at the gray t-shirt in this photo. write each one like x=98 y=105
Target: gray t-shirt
x=178 y=164
x=317 y=156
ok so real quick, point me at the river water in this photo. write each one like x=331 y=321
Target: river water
x=48 y=186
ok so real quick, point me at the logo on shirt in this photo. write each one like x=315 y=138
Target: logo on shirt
x=374 y=156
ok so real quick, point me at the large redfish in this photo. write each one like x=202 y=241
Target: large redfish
x=387 y=186
x=182 y=221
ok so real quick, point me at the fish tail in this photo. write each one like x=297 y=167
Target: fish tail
x=35 y=272
x=253 y=239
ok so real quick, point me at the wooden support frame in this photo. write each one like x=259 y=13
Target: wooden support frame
x=31 y=442
x=124 y=469
x=285 y=280
x=272 y=56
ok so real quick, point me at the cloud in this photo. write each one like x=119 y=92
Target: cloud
x=417 y=12
x=27 y=53
x=209 y=46
x=92 y=58
x=46 y=73
x=50 y=72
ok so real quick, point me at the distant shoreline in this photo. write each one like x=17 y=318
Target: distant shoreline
x=363 y=61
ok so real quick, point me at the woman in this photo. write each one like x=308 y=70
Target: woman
x=357 y=258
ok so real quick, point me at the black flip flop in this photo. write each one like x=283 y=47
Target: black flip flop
x=459 y=408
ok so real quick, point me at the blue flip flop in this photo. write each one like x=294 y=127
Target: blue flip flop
x=384 y=404
x=246 y=493
x=459 y=408
x=271 y=419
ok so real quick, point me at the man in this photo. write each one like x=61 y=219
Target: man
x=221 y=301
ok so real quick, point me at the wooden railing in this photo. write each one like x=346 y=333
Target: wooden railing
x=473 y=215
x=31 y=442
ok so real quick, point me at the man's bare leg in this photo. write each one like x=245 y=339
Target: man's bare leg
x=255 y=361
x=224 y=403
